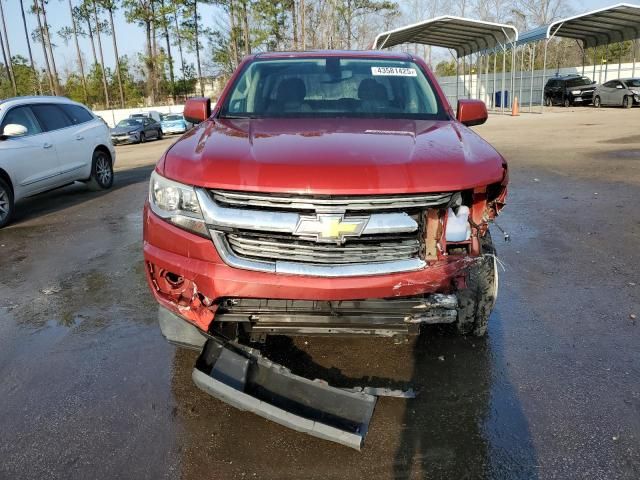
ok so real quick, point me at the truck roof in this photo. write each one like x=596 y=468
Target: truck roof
x=335 y=53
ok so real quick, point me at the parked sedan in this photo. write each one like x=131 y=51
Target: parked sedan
x=49 y=142
x=621 y=92
x=173 y=123
x=135 y=130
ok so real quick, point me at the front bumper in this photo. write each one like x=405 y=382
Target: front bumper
x=210 y=279
x=123 y=140
x=173 y=130
x=584 y=97
x=243 y=378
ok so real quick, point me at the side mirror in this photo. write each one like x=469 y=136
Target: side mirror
x=197 y=110
x=472 y=112
x=13 y=130
x=619 y=86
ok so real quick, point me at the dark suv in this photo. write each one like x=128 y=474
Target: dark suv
x=569 y=90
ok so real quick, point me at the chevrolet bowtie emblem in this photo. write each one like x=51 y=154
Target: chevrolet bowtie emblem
x=330 y=227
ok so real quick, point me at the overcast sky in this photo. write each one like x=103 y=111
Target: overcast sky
x=130 y=36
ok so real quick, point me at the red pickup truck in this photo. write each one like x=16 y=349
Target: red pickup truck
x=327 y=193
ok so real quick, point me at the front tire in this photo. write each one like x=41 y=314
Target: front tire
x=567 y=103
x=597 y=103
x=101 y=171
x=6 y=203
x=142 y=138
x=160 y=134
x=547 y=102
x=627 y=102
x=476 y=302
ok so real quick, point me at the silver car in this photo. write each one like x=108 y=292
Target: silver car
x=624 y=91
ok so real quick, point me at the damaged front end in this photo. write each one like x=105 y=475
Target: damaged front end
x=210 y=299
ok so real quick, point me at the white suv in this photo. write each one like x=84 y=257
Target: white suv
x=49 y=142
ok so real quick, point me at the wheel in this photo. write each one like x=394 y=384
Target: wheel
x=547 y=101
x=567 y=103
x=6 y=203
x=142 y=138
x=596 y=102
x=160 y=134
x=476 y=302
x=101 y=171
x=627 y=102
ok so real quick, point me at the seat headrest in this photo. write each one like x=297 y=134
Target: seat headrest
x=370 y=89
x=291 y=90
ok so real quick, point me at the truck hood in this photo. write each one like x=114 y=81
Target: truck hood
x=333 y=156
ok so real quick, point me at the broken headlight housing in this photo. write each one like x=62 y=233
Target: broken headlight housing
x=177 y=204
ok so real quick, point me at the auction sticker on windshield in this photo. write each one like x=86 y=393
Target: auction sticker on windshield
x=394 y=72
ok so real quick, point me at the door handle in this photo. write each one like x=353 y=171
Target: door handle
x=79 y=137
x=47 y=145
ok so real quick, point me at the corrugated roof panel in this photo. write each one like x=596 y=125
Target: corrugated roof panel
x=464 y=35
x=617 y=23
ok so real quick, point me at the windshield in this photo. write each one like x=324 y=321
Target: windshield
x=129 y=122
x=579 y=82
x=171 y=118
x=332 y=87
x=634 y=82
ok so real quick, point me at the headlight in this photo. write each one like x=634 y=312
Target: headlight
x=177 y=204
x=635 y=92
x=576 y=92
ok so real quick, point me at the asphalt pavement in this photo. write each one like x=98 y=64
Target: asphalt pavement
x=90 y=389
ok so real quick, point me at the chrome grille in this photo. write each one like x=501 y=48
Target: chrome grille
x=285 y=248
x=334 y=203
x=265 y=232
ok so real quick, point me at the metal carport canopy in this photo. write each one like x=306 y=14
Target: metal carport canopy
x=464 y=35
x=616 y=23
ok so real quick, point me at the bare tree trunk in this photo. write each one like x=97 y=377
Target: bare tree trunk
x=93 y=43
x=54 y=70
x=149 y=62
x=332 y=26
x=154 y=48
x=294 y=21
x=10 y=64
x=80 y=63
x=232 y=37
x=170 y=58
x=179 y=41
x=349 y=21
x=104 y=73
x=4 y=57
x=303 y=28
x=115 y=51
x=44 y=48
x=195 y=28
x=36 y=82
x=245 y=28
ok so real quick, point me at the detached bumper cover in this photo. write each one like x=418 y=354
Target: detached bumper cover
x=250 y=382
x=243 y=378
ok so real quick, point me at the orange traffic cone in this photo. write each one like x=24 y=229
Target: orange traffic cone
x=515 y=111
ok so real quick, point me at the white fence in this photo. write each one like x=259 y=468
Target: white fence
x=114 y=116
x=527 y=88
